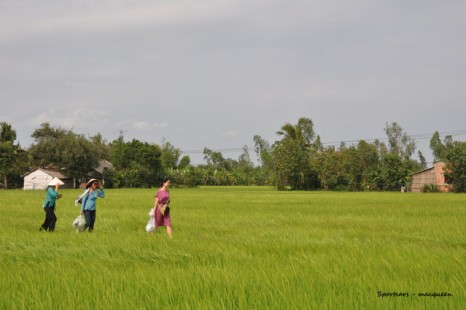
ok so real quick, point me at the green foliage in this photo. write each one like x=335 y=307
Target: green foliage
x=400 y=143
x=184 y=177
x=362 y=162
x=437 y=147
x=456 y=166
x=422 y=160
x=291 y=155
x=262 y=149
x=185 y=162
x=393 y=172
x=298 y=160
x=61 y=148
x=169 y=156
x=215 y=159
x=441 y=149
x=236 y=248
x=430 y=188
x=77 y=155
x=101 y=147
x=12 y=158
x=136 y=163
x=453 y=153
x=264 y=173
x=329 y=165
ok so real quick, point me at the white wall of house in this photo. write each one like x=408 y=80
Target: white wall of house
x=37 y=180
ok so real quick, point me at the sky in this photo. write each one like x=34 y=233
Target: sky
x=214 y=73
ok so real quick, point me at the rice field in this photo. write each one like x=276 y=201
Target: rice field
x=237 y=248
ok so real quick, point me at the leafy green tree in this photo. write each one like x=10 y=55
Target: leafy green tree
x=185 y=162
x=244 y=168
x=244 y=159
x=185 y=177
x=12 y=157
x=262 y=148
x=222 y=177
x=78 y=156
x=44 y=151
x=359 y=163
x=205 y=173
x=215 y=159
x=422 y=160
x=63 y=149
x=456 y=166
x=169 y=156
x=402 y=146
x=101 y=147
x=393 y=172
x=136 y=163
x=264 y=173
x=441 y=149
x=291 y=155
x=382 y=149
x=329 y=167
x=399 y=142
x=437 y=147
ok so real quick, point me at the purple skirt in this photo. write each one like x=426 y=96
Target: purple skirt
x=161 y=220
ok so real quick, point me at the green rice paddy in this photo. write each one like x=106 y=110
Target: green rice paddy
x=237 y=248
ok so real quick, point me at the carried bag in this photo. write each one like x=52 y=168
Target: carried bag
x=150 y=226
x=79 y=199
x=165 y=209
x=80 y=223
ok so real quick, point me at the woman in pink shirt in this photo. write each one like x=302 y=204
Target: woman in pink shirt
x=162 y=198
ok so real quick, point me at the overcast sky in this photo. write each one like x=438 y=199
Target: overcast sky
x=213 y=73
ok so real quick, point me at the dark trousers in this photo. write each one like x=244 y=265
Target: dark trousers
x=50 y=219
x=90 y=219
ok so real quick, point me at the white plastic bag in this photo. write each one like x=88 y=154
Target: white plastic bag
x=79 y=223
x=150 y=227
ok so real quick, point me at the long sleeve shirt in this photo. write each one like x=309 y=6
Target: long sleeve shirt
x=50 y=197
x=90 y=198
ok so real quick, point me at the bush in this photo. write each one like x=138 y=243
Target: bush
x=430 y=188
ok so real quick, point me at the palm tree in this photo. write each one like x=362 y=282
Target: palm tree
x=292 y=154
x=289 y=131
x=302 y=132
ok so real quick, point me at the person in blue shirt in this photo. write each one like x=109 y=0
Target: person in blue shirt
x=49 y=205
x=88 y=207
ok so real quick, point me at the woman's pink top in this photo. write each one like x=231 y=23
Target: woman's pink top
x=162 y=220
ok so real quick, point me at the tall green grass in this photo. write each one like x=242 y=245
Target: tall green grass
x=236 y=248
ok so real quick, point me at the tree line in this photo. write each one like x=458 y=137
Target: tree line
x=297 y=160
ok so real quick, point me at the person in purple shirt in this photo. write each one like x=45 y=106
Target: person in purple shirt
x=162 y=198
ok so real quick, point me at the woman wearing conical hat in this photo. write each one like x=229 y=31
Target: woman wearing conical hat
x=88 y=208
x=49 y=205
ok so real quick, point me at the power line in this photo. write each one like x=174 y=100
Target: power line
x=421 y=136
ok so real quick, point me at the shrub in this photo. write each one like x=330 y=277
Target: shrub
x=430 y=188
